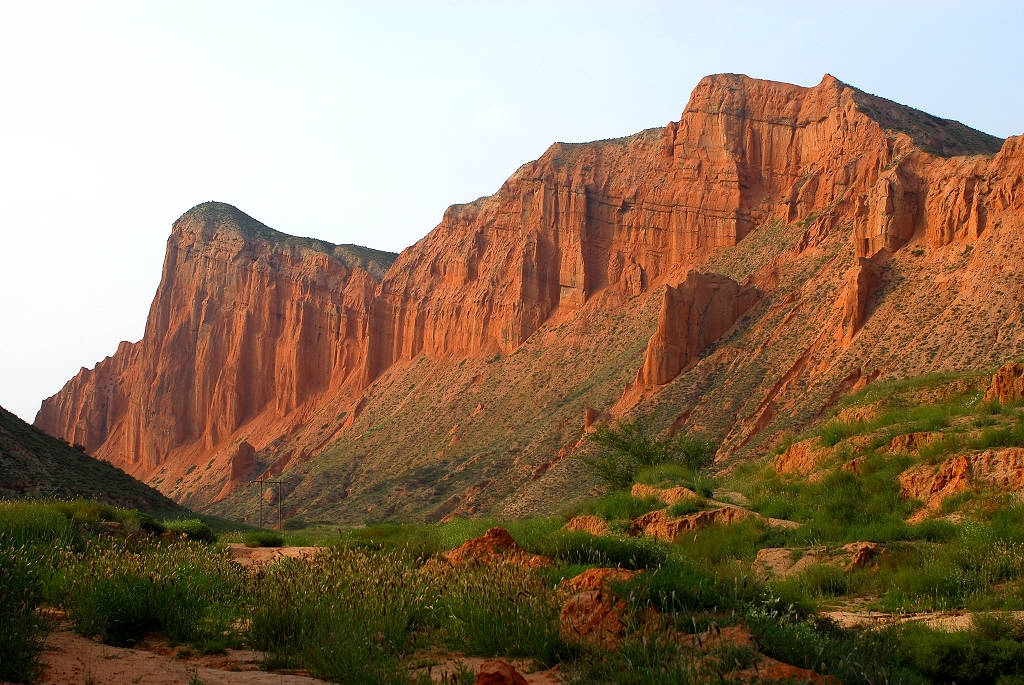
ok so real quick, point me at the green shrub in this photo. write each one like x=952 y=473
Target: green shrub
x=674 y=475
x=665 y=476
x=640 y=660
x=626 y=448
x=681 y=585
x=576 y=547
x=1007 y=436
x=965 y=657
x=192 y=529
x=354 y=628
x=263 y=538
x=688 y=506
x=619 y=506
x=851 y=656
x=504 y=611
x=958 y=574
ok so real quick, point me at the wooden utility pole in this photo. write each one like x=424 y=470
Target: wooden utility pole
x=262 y=482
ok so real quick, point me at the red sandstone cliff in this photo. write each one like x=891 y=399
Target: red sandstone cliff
x=819 y=199
x=693 y=315
x=246 y=324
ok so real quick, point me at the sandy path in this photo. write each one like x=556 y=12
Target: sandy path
x=70 y=659
x=448 y=666
x=940 y=620
x=255 y=556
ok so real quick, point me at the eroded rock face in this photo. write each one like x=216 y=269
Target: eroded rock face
x=659 y=524
x=247 y=324
x=911 y=443
x=597 y=579
x=594 y=616
x=860 y=280
x=694 y=314
x=1001 y=468
x=588 y=524
x=667 y=495
x=802 y=457
x=1007 y=384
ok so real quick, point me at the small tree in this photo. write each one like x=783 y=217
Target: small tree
x=629 y=447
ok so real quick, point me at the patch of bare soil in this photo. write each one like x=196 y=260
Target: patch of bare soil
x=445 y=668
x=70 y=659
x=249 y=557
x=940 y=620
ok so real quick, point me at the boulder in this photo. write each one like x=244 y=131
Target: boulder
x=587 y=524
x=659 y=524
x=597 y=579
x=496 y=545
x=498 y=672
x=667 y=495
x=595 y=617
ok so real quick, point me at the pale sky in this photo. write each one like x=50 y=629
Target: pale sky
x=361 y=122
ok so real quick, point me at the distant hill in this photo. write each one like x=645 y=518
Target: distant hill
x=33 y=464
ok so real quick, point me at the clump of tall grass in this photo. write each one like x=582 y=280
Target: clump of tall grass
x=263 y=538
x=119 y=591
x=619 y=506
x=22 y=629
x=192 y=529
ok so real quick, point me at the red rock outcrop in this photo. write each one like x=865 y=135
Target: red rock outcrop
x=597 y=579
x=1007 y=384
x=859 y=282
x=693 y=315
x=911 y=443
x=496 y=545
x=667 y=495
x=1001 y=468
x=659 y=524
x=498 y=672
x=594 y=616
x=297 y=346
x=802 y=457
x=587 y=524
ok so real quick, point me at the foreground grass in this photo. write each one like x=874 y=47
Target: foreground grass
x=377 y=604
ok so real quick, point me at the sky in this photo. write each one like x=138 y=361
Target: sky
x=361 y=122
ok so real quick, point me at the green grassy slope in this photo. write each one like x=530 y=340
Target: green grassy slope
x=34 y=464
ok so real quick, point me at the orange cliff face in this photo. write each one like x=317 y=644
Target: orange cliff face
x=246 y=325
x=772 y=223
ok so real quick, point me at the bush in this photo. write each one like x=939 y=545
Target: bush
x=577 y=547
x=687 y=506
x=119 y=590
x=984 y=654
x=629 y=447
x=193 y=529
x=619 y=506
x=263 y=538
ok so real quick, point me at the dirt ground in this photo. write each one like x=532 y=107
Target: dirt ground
x=256 y=556
x=940 y=620
x=70 y=659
